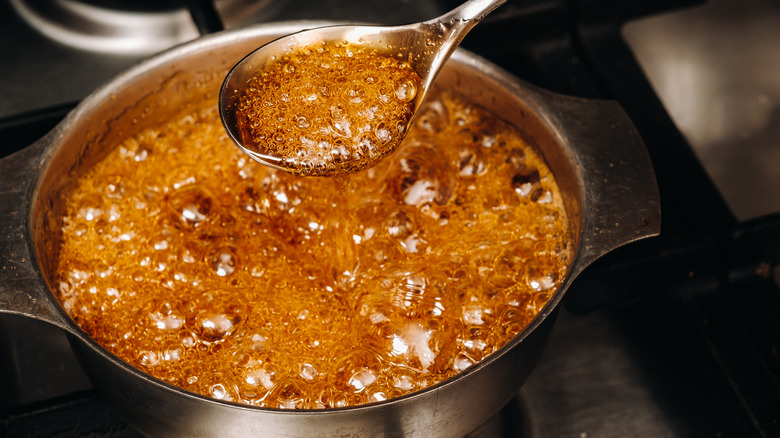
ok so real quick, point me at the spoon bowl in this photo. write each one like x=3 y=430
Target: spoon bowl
x=424 y=47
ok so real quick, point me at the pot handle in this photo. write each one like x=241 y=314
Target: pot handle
x=22 y=288
x=621 y=195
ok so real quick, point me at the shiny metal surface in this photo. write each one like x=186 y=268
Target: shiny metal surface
x=130 y=28
x=425 y=46
x=591 y=146
x=717 y=70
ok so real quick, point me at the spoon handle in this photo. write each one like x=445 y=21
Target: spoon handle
x=459 y=21
x=472 y=10
x=445 y=32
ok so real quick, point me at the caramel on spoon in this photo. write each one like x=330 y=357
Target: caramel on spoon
x=334 y=100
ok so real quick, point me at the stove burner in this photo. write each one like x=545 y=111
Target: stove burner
x=122 y=27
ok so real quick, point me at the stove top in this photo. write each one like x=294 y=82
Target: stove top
x=674 y=336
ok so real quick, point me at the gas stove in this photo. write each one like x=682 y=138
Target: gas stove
x=673 y=336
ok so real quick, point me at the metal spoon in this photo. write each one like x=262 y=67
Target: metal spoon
x=425 y=46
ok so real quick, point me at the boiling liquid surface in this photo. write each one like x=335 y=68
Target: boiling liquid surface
x=195 y=264
x=330 y=109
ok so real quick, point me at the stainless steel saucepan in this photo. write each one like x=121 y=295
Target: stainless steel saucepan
x=591 y=146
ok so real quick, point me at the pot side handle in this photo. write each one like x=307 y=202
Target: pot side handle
x=22 y=289
x=621 y=195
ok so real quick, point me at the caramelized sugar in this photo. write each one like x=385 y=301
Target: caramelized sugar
x=332 y=109
x=195 y=264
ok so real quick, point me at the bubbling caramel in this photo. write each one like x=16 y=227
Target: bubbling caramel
x=204 y=269
x=331 y=109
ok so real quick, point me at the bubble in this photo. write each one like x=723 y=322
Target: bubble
x=172 y=352
x=170 y=321
x=263 y=376
x=404 y=379
x=444 y=218
x=511 y=264
x=542 y=282
x=525 y=181
x=361 y=379
x=324 y=91
x=78 y=272
x=414 y=343
x=433 y=116
x=212 y=327
x=369 y=113
x=356 y=95
x=341 y=127
x=383 y=134
x=187 y=339
x=400 y=127
x=376 y=395
x=219 y=392
x=251 y=393
x=307 y=371
x=541 y=196
x=289 y=395
x=302 y=122
x=418 y=295
x=190 y=252
x=337 y=112
x=148 y=358
x=356 y=371
x=413 y=318
x=474 y=341
x=258 y=341
x=462 y=362
x=421 y=174
x=92 y=208
x=141 y=154
x=415 y=244
x=100 y=225
x=80 y=230
x=329 y=397
x=515 y=157
x=339 y=153
x=472 y=163
x=399 y=225
x=472 y=314
x=367 y=145
x=114 y=188
x=191 y=204
x=405 y=90
x=381 y=250
x=101 y=269
x=214 y=314
x=223 y=260
x=488 y=141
